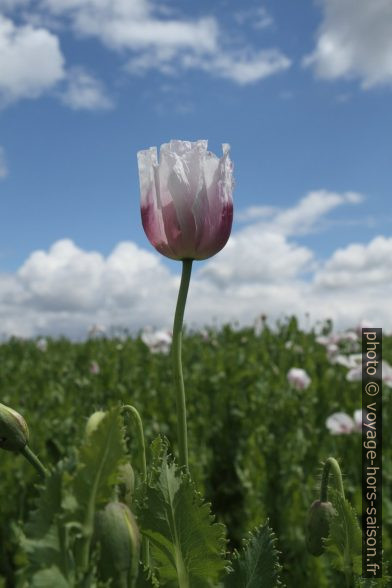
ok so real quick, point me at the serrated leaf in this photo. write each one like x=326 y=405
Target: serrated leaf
x=42 y=551
x=49 y=578
x=99 y=459
x=48 y=504
x=383 y=582
x=187 y=546
x=257 y=564
x=344 y=543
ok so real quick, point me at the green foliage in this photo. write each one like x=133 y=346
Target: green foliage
x=100 y=457
x=257 y=564
x=58 y=537
x=344 y=543
x=254 y=441
x=187 y=546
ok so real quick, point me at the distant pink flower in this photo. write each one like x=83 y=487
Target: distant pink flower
x=186 y=199
x=298 y=378
x=94 y=368
x=340 y=423
x=157 y=341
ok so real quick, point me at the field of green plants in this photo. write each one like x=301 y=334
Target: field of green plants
x=256 y=442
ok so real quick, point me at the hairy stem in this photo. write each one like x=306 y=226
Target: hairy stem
x=142 y=448
x=177 y=363
x=331 y=464
x=35 y=462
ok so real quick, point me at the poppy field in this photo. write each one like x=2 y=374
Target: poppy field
x=266 y=407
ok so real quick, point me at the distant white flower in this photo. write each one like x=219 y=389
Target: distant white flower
x=340 y=423
x=332 y=350
x=348 y=361
x=42 y=344
x=94 y=368
x=298 y=378
x=157 y=341
x=363 y=324
x=96 y=331
x=349 y=336
x=354 y=375
x=259 y=324
x=333 y=339
x=358 y=419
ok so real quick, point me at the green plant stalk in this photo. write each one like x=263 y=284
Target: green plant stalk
x=331 y=464
x=177 y=363
x=140 y=433
x=88 y=526
x=142 y=447
x=35 y=462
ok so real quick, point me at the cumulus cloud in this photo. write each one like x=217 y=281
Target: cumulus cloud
x=85 y=92
x=358 y=266
x=311 y=209
x=354 y=41
x=31 y=61
x=243 y=67
x=150 y=35
x=302 y=218
x=3 y=164
x=263 y=269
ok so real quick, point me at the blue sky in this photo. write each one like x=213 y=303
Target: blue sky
x=301 y=91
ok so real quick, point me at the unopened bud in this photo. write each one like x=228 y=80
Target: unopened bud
x=319 y=516
x=14 y=433
x=117 y=532
x=126 y=482
x=93 y=422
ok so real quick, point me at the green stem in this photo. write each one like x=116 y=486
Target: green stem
x=331 y=464
x=140 y=433
x=142 y=447
x=177 y=364
x=35 y=462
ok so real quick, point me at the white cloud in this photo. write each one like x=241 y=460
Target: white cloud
x=358 y=266
x=244 y=67
x=305 y=216
x=152 y=38
x=124 y=24
x=261 y=270
x=354 y=41
x=85 y=92
x=255 y=212
x=259 y=17
x=3 y=164
x=31 y=61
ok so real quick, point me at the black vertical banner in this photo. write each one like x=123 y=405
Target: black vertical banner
x=372 y=453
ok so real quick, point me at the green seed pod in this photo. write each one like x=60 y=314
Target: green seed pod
x=126 y=483
x=14 y=433
x=93 y=422
x=319 y=516
x=118 y=535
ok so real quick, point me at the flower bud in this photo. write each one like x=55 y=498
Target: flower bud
x=319 y=516
x=14 y=433
x=93 y=422
x=126 y=479
x=186 y=199
x=117 y=532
